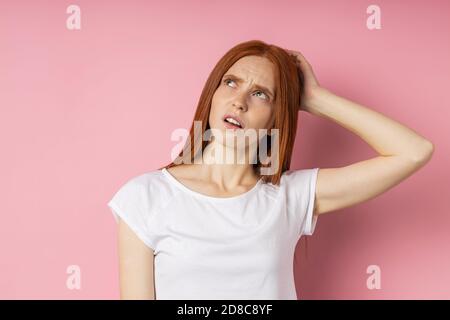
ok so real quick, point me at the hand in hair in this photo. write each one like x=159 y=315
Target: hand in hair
x=311 y=83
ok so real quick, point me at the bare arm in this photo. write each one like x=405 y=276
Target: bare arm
x=402 y=151
x=136 y=266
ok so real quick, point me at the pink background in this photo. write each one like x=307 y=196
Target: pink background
x=82 y=111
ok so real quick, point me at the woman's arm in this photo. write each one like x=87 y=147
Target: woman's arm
x=136 y=266
x=402 y=151
x=383 y=134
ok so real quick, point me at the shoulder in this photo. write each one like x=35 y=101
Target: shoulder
x=148 y=188
x=147 y=180
x=301 y=177
x=185 y=171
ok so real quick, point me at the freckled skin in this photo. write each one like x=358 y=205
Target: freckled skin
x=253 y=106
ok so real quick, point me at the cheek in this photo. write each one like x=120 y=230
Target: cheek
x=262 y=117
x=218 y=95
x=214 y=100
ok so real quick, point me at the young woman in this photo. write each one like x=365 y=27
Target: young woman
x=205 y=228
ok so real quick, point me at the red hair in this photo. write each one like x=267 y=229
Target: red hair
x=289 y=87
x=289 y=83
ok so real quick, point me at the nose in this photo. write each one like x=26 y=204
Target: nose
x=240 y=104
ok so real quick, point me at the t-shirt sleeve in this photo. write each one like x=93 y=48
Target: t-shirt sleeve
x=131 y=203
x=302 y=190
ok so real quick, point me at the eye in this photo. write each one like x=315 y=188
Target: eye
x=226 y=83
x=264 y=94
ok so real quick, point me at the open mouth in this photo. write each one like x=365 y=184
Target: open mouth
x=232 y=123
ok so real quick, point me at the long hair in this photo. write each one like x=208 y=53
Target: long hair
x=289 y=84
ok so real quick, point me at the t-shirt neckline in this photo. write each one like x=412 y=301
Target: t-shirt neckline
x=204 y=196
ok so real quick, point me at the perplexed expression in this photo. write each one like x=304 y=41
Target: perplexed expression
x=246 y=91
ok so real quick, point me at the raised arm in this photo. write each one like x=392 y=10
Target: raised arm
x=402 y=151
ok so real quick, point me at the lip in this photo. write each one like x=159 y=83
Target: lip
x=235 y=118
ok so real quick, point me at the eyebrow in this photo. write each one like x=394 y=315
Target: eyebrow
x=255 y=86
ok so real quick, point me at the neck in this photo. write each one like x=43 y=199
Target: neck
x=228 y=167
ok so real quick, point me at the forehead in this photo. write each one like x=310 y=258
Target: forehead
x=253 y=68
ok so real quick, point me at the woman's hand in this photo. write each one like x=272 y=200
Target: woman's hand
x=311 y=84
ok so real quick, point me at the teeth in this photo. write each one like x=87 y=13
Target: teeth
x=233 y=121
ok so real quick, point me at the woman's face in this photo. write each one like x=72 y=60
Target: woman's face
x=238 y=95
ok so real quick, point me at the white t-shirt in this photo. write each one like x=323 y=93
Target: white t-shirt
x=205 y=247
